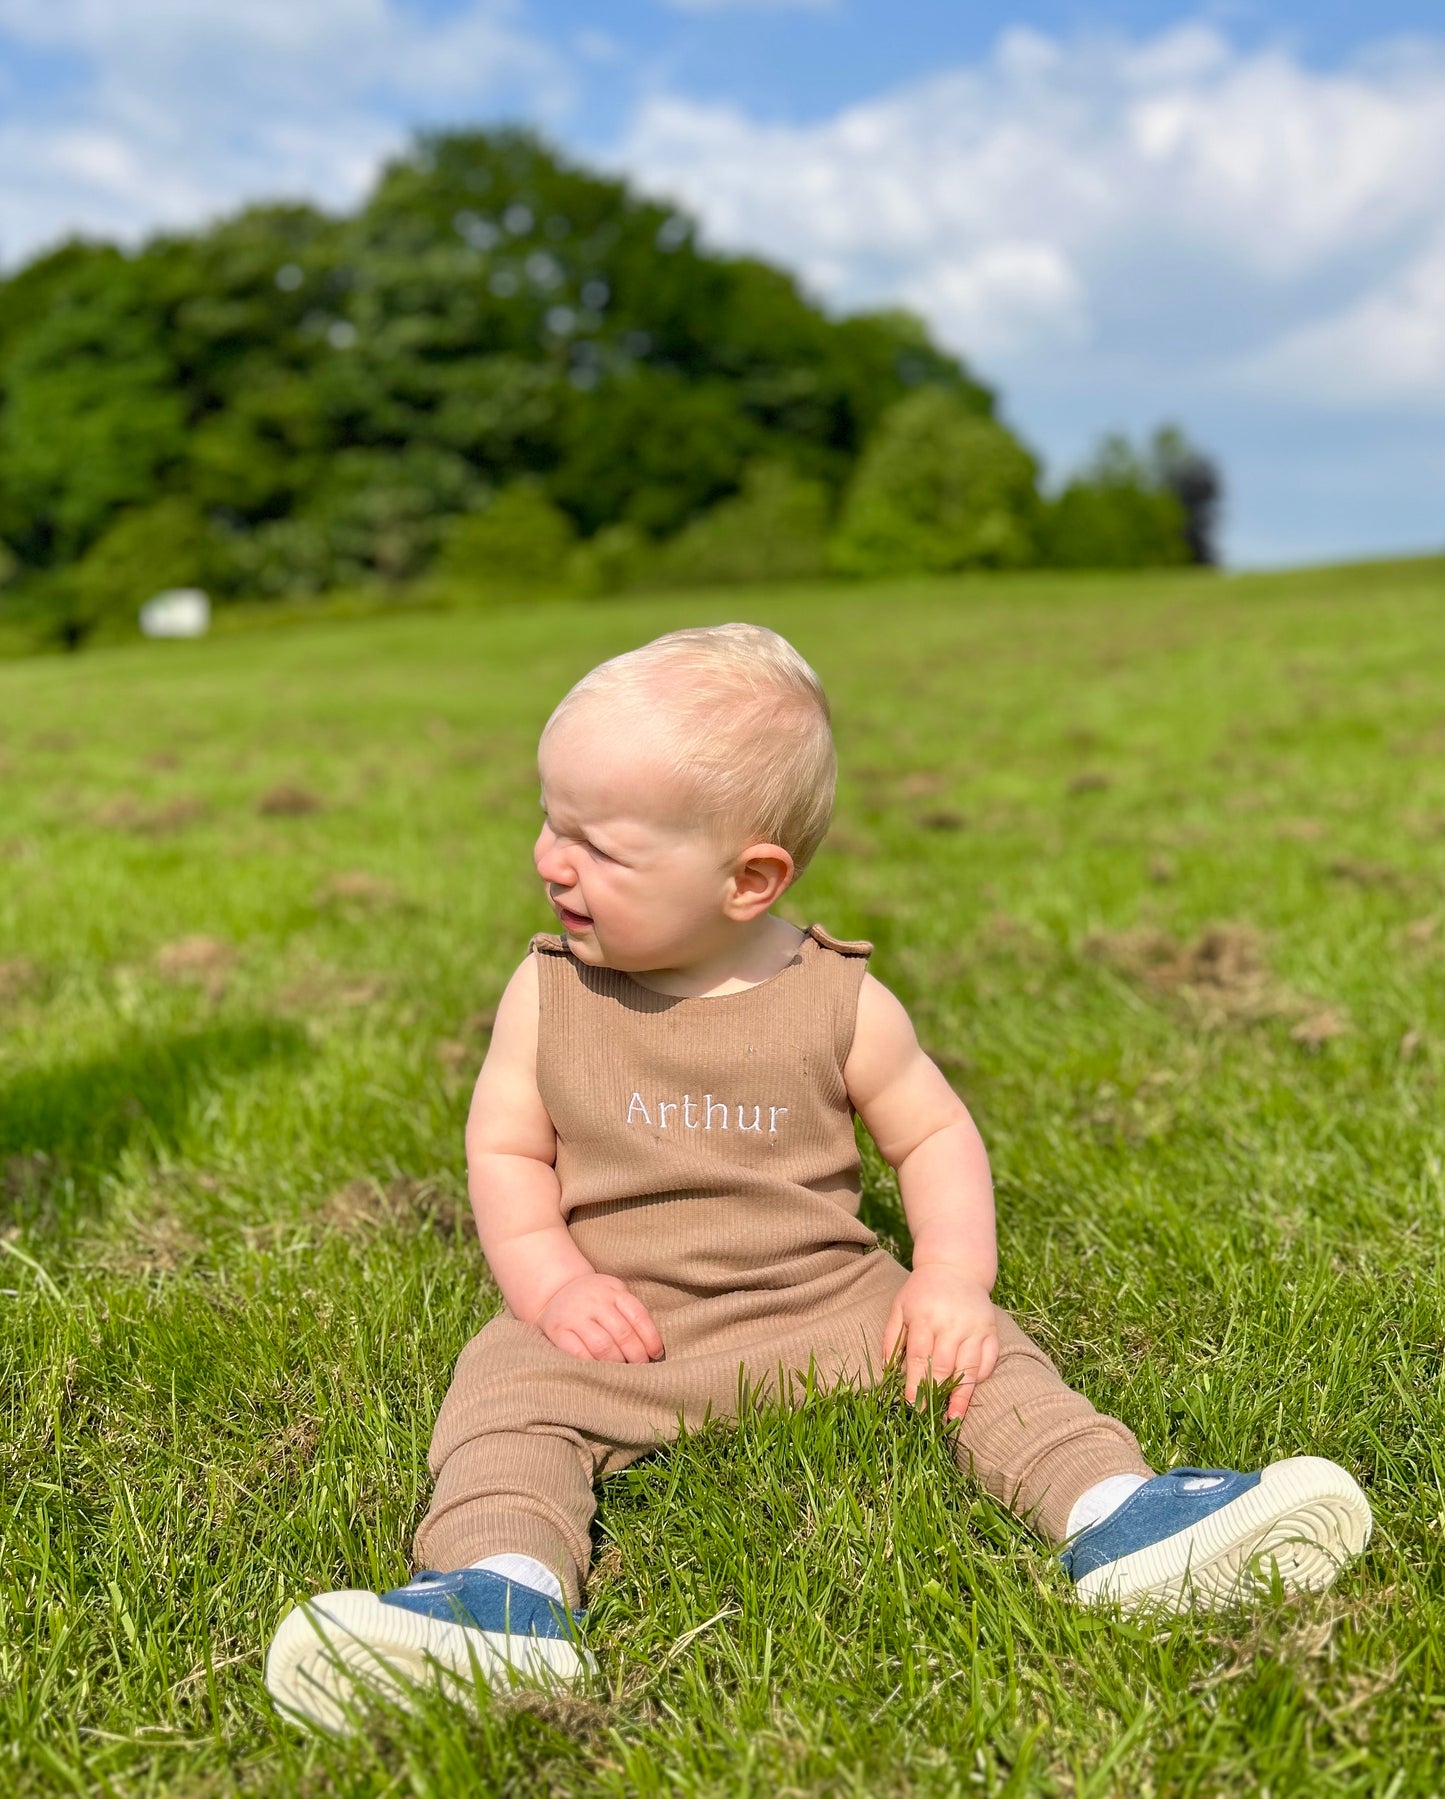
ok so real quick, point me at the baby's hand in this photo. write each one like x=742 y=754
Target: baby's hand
x=948 y=1322
x=596 y=1319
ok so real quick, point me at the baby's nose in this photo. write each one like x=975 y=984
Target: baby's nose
x=552 y=864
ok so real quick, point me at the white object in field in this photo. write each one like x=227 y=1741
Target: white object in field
x=178 y=612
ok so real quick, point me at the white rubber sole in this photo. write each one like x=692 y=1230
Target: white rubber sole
x=1305 y=1518
x=331 y=1654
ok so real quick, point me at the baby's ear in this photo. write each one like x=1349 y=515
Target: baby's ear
x=763 y=872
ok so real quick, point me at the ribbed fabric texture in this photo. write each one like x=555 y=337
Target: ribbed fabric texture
x=706 y=1155
x=676 y=1116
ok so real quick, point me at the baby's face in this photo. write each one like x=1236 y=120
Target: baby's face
x=636 y=885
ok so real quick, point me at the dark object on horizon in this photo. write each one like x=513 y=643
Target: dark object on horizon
x=1196 y=482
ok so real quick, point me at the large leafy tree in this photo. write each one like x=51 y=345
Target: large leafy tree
x=322 y=400
x=94 y=418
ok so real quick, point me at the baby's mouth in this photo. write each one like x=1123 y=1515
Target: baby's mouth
x=574 y=921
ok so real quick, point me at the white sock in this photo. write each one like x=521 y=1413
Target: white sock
x=526 y=1570
x=1095 y=1503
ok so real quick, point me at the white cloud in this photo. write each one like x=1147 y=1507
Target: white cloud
x=193 y=106
x=1003 y=298
x=1388 y=348
x=350 y=42
x=1171 y=204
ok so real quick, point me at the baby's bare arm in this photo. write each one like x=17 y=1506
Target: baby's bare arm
x=923 y=1129
x=517 y=1201
x=942 y=1312
x=511 y=1150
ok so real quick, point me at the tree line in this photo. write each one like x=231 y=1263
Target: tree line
x=508 y=374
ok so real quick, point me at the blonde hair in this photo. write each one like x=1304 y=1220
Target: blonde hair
x=744 y=724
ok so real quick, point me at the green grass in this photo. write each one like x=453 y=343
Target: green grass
x=238 y=1265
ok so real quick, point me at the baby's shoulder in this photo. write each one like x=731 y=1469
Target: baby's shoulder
x=883 y=1025
x=520 y=1001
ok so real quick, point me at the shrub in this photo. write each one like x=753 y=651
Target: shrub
x=518 y=544
x=147 y=548
x=382 y=512
x=939 y=487
x=613 y=559
x=287 y=558
x=775 y=529
x=1115 y=514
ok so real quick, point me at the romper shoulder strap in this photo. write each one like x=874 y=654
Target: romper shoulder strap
x=845 y=946
x=841 y=974
x=550 y=943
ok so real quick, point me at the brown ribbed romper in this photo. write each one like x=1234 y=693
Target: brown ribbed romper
x=706 y=1156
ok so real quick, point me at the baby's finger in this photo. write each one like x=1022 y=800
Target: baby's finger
x=626 y=1339
x=638 y=1316
x=947 y=1350
x=572 y=1344
x=599 y=1341
x=967 y=1362
x=962 y=1395
x=920 y=1357
x=988 y=1358
x=892 y=1331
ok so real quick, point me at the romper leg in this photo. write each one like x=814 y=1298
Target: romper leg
x=523 y=1433
x=1028 y=1438
x=1033 y=1442
x=526 y=1491
x=511 y=1458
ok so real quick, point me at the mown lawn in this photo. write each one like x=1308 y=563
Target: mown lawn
x=1158 y=865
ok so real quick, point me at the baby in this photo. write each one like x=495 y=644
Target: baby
x=665 y=1177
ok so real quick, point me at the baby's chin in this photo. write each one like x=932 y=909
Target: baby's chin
x=585 y=947
x=583 y=944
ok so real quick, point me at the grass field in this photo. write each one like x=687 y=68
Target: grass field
x=1157 y=863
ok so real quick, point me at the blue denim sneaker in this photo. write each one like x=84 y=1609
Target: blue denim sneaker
x=1203 y=1538
x=439 y=1629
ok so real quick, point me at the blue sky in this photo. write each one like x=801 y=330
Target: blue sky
x=1118 y=211
x=805 y=61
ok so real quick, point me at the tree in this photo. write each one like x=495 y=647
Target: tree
x=94 y=419
x=383 y=513
x=651 y=448
x=1114 y=514
x=27 y=296
x=939 y=487
x=328 y=395
x=1197 y=483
